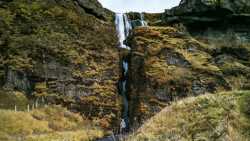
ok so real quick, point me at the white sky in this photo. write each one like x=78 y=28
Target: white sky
x=152 y=6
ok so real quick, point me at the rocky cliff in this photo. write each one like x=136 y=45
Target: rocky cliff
x=195 y=48
x=201 y=14
x=65 y=52
x=61 y=52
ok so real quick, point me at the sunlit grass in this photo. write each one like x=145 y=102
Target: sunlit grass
x=223 y=116
x=46 y=124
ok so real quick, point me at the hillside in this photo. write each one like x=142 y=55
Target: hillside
x=46 y=124
x=72 y=70
x=217 y=117
x=167 y=65
x=61 y=52
x=181 y=55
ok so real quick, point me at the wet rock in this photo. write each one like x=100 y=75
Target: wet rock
x=17 y=80
x=136 y=23
x=174 y=58
x=198 y=88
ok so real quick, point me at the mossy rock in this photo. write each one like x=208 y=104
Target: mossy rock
x=168 y=64
x=244 y=103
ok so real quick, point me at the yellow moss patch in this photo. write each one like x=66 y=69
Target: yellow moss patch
x=157 y=70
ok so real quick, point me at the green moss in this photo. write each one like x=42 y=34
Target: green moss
x=234 y=68
x=244 y=103
x=7 y=16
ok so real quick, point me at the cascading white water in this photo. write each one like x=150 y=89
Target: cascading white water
x=122 y=27
x=125 y=67
x=125 y=101
x=143 y=22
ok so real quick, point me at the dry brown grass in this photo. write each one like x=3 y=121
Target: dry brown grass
x=209 y=117
x=46 y=124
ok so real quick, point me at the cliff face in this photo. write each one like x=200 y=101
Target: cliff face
x=63 y=52
x=185 y=55
x=200 y=14
x=199 y=7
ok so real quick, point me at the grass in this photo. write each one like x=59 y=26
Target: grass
x=223 y=116
x=46 y=124
x=8 y=100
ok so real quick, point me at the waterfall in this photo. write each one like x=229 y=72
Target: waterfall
x=143 y=22
x=125 y=67
x=123 y=27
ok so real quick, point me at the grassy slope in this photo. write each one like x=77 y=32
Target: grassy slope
x=46 y=124
x=224 y=116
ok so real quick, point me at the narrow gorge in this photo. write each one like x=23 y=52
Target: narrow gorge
x=124 y=28
x=73 y=70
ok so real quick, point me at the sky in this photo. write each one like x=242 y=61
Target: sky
x=152 y=6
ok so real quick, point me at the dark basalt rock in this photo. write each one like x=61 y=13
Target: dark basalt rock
x=18 y=80
x=208 y=12
x=209 y=7
x=93 y=7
